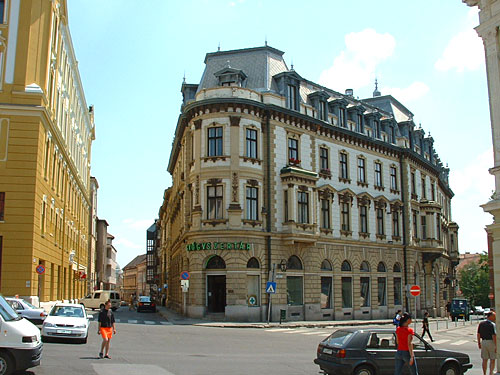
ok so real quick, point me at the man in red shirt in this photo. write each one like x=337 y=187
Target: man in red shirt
x=405 y=355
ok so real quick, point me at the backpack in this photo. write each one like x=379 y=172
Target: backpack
x=395 y=321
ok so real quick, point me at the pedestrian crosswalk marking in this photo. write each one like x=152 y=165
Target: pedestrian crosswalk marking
x=166 y=323
x=149 y=322
x=459 y=342
x=132 y=321
x=441 y=341
x=315 y=333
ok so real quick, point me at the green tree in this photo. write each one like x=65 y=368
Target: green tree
x=474 y=281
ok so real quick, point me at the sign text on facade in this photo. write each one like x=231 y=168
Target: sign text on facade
x=218 y=246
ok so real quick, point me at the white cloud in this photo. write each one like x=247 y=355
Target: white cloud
x=121 y=241
x=405 y=95
x=472 y=185
x=355 y=66
x=465 y=50
x=138 y=224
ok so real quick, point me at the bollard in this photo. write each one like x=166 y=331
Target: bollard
x=447 y=321
x=437 y=325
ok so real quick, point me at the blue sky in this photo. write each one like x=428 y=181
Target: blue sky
x=133 y=55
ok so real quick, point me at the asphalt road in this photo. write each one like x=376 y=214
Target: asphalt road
x=145 y=343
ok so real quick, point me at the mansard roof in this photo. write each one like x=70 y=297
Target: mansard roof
x=391 y=105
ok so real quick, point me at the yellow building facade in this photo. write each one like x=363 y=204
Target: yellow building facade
x=46 y=133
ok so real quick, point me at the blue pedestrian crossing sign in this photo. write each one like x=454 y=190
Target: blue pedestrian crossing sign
x=271 y=287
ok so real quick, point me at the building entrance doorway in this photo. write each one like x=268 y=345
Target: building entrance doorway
x=216 y=293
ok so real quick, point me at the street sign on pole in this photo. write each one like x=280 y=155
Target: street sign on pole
x=40 y=269
x=491 y=296
x=271 y=287
x=185 y=275
x=415 y=290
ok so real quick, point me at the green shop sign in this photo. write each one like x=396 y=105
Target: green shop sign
x=218 y=246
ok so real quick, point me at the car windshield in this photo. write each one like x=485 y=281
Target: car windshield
x=67 y=311
x=7 y=311
x=144 y=299
x=459 y=303
x=338 y=338
x=29 y=304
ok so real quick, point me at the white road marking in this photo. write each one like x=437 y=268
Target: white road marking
x=117 y=320
x=295 y=331
x=459 y=342
x=275 y=329
x=128 y=369
x=149 y=322
x=166 y=323
x=316 y=333
x=133 y=321
x=440 y=341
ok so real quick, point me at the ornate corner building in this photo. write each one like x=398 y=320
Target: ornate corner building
x=46 y=132
x=342 y=202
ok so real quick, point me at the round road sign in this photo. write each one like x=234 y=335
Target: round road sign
x=491 y=296
x=40 y=269
x=185 y=275
x=415 y=290
x=252 y=300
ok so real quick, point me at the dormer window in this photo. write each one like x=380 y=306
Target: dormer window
x=292 y=97
x=376 y=125
x=342 y=117
x=322 y=110
x=230 y=77
x=359 y=123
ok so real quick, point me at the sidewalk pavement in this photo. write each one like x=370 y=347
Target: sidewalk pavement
x=177 y=319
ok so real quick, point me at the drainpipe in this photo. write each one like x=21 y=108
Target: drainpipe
x=268 y=199
x=404 y=192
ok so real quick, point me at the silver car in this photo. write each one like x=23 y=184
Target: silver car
x=34 y=314
x=68 y=321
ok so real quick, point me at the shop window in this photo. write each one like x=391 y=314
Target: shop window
x=326 y=292
x=251 y=143
x=215 y=263
x=294 y=263
x=325 y=214
x=347 y=292
x=398 y=295
x=253 y=290
x=346 y=266
x=215 y=141
x=303 y=207
x=252 y=203
x=326 y=265
x=365 y=291
x=295 y=290
x=214 y=201
x=381 y=293
x=2 y=206
x=253 y=263
x=364 y=267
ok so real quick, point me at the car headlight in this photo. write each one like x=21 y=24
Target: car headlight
x=81 y=326
x=29 y=339
x=48 y=324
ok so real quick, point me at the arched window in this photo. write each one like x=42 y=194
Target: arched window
x=215 y=263
x=397 y=267
x=346 y=266
x=253 y=263
x=294 y=263
x=326 y=265
x=381 y=267
x=364 y=267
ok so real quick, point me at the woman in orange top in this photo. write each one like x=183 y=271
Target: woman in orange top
x=405 y=355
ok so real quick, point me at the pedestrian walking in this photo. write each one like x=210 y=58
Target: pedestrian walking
x=131 y=302
x=487 y=341
x=425 y=326
x=396 y=318
x=448 y=309
x=106 y=329
x=404 y=354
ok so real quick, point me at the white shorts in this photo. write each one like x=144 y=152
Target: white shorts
x=488 y=349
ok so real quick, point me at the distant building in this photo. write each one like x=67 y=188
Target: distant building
x=134 y=278
x=466 y=259
x=46 y=134
x=344 y=201
x=109 y=280
x=92 y=257
x=152 y=243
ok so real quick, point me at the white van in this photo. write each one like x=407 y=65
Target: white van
x=20 y=343
x=98 y=298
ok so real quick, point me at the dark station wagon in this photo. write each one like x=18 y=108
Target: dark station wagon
x=351 y=351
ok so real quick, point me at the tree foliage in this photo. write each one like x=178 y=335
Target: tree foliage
x=474 y=281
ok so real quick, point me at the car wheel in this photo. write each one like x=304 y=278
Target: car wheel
x=450 y=369
x=6 y=363
x=364 y=370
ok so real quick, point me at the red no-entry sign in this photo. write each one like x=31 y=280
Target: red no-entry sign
x=415 y=290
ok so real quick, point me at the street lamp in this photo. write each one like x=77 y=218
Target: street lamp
x=283 y=265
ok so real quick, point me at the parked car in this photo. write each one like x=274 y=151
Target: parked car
x=20 y=343
x=486 y=310
x=68 y=321
x=145 y=304
x=98 y=298
x=460 y=308
x=351 y=351
x=478 y=310
x=35 y=315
